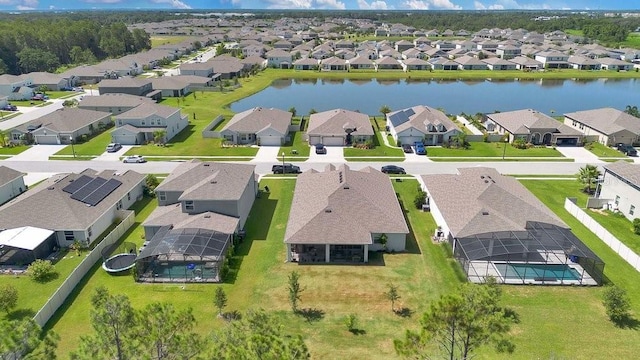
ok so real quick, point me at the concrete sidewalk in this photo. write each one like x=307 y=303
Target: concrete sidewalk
x=268 y=154
x=579 y=153
x=38 y=153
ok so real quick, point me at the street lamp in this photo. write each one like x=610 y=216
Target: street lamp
x=73 y=149
x=504 y=149
x=283 y=163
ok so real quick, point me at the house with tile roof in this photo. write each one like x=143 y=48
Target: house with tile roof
x=62 y=126
x=261 y=126
x=607 y=126
x=533 y=127
x=139 y=125
x=339 y=127
x=620 y=185
x=339 y=215
x=11 y=184
x=421 y=123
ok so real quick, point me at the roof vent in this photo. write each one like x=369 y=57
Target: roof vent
x=213 y=182
x=50 y=188
x=205 y=164
x=485 y=213
x=481 y=176
x=340 y=176
x=207 y=216
x=327 y=210
x=486 y=181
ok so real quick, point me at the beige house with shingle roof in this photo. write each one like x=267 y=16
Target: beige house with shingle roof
x=137 y=126
x=339 y=127
x=264 y=127
x=61 y=126
x=533 y=127
x=113 y=103
x=339 y=215
x=421 y=123
x=608 y=126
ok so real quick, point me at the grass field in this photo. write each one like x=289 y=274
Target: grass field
x=482 y=149
x=619 y=226
x=6 y=115
x=298 y=144
x=15 y=150
x=632 y=41
x=379 y=149
x=93 y=147
x=166 y=40
x=603 y=151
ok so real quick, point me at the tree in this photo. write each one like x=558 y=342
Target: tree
x=3 y=138
x=392 y=295
x=460 y=323
x=258 y=335
x=165 y=333
x=293 y=111
x=588 y=176
x=43 y=89
x=70 y=103
x=294 y=290
x=351 y=321
x=8 y=297
x=384 y=110
x=41 y=270
x=220 y=300
x=37 y=60
x=151 y=182
x=22 y=339
x=113 y=321
x=632 y=110
x=616 y=303
x=159 y=136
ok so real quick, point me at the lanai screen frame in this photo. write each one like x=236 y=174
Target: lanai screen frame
x=521 y=246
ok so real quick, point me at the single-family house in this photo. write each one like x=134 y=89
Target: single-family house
x=496 y=63
x=507 y=52
x=250 y=62
x=197 y=68
x=195 y=82
x=279 y=58
x=339 y=215
x=620 y=184
x=526 y=63
x=53 y=82
x=63 y=126
x=533 y=127
x=75 y=207
x=126 y=85
x=416 y=64
x=253 y=50
x=305 y=64
x=339 y=127
x=171 y=86
x=11 y=184
x=261 y=126
x=388 y=63
x=112 y=103
x=612 y=64
x=403 y=45
x=86 y=74
x=583 y=63
x=333 y=64
x=553 y=59
x=16 y=87
x=441 y=63
x=421 y=123
x=142 y=123
x=497 y=228
x=607 y=126
x=470 y=63
x=227 y=67
x=361 y=63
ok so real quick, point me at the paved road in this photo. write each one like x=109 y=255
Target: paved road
x=30 y=113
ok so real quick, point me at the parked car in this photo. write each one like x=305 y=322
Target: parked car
x=40 y=97
x=320 y=149
x=10 y=107
x=420 y=149
x=113 y=147
x=136 y=159
x=407 y=148
x=285 y=169
x=627 y=149
x=393 y=169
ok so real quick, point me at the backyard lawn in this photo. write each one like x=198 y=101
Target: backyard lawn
x=482 y=149
x=619 y=226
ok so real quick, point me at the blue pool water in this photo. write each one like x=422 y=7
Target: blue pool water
x=538 y=271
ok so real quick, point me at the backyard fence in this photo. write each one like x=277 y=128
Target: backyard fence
x=208 y=132
x=621 y=249
x=58 y=298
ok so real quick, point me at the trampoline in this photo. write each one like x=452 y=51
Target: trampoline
x=121 y=259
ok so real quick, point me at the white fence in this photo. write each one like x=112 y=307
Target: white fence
x=621 y=249
x=208 y=132
x=61 y=294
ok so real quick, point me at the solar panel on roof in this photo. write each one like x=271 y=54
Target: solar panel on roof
x=77 y=184
x=90 y=187
x=102 y=192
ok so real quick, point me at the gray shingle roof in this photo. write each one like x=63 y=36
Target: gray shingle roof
x=479 y=200
x=113 y=100
x=7 y=174
x=418 y=117
x=173 y=215
x=521 y=121
x=145 y=110
x=334 y=122
x=65 y=119
x=258 y=118
x=342 y=206
x=199 y=180
x=628 y=171
x=607 y=120
x=124 y=82
x=47 y=206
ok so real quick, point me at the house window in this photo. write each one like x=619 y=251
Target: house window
x=89 y=231
x=69 y=236
x=617 y=200
x=143 y=122
x=128 y=196
x=119 y=122
x=162 y=196
x=632 y=209
x=188 y=205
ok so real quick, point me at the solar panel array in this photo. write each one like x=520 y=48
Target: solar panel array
x=91 y=191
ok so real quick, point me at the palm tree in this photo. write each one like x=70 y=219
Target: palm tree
x=588 y=175
x=3 y=138
x=632 y=110
x=384 y=110
x=293 y=111
x=158 y=136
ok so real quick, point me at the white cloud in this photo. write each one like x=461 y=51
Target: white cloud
x=176 y=4
x=288 y=4
x=330 y=4
x=374 y=5
x=510 y=4
x=22 y=7
x=445 y=4
x=102 y=1
x=416 y=5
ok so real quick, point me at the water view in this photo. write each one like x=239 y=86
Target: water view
x=454 y=96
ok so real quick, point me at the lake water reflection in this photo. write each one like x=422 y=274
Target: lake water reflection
x=454 y=96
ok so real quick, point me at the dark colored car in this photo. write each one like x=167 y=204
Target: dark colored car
x=10 y=107
x=320 y=149
x=627 y=149
x=393 y=169
x=40 y=97
x=420 y=149
x=407 y=148
x=285 y=169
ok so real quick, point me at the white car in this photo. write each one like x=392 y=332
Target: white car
x=134 y=159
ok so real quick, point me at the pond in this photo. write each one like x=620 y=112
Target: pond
x=454 y=96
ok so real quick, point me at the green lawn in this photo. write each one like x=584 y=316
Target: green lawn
x=27 y=103
x=6 y=115
x=379 y=150
x=13 y=150
x=603 y=151
x=93 y=147
x=482 y=149
x=166 y=40
x=632 y=41
x=619 y=226
x=298 y=144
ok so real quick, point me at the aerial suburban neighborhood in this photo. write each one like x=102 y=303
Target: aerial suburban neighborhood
x=320 y=184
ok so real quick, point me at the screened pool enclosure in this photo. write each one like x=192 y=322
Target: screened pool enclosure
x=183 y=255
x=542 y=254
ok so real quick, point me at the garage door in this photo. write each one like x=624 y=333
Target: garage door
x=333 y=141
x=567 y=142
x=47 y=139
x=124 y=139
x=270 y=141
x=314 y=140
x=410 y=139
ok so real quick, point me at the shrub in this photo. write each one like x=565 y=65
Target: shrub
x=636 y=226
x=519 y=144
x=616 y=303
x=41 y=270
x=420 y=199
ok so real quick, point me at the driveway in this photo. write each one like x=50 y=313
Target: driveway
x=413 y=157
x=268 y=154
x=114 y=156
x=580 y=154
x=38 y=153
x=335 y=154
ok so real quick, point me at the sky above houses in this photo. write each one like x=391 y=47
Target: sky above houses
x=322 y=4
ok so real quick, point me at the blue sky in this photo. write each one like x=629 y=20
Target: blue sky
x=322 y=4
